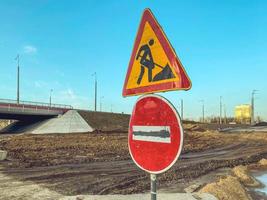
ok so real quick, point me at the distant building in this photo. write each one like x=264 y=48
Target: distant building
x=243 y=114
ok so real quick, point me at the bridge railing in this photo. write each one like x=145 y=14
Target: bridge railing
x=33 y=105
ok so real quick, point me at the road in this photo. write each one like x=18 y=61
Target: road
x=121 y=176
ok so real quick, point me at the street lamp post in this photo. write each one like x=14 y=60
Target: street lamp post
x=18 y=77
x=225 y=118
x=94 y=74
x=203 y=110
x=182 y=109
x=220 y=109
x=50 y=98
x=252 y=121
x=101 y=103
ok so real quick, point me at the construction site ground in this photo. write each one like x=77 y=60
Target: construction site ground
x=99 y=163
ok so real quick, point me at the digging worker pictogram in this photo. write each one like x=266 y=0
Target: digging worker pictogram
x=145 y=61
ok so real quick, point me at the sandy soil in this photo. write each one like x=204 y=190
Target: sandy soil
x=239 y=184
x=99 y=163
x=3 y=123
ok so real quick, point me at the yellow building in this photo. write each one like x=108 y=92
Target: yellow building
x=243 y=114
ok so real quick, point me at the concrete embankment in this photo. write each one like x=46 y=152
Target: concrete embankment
x=73 y=121
x=70 y=122
x=105 y=121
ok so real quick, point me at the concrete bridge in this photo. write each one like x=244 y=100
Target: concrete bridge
x=27 y=110
x=43 y=118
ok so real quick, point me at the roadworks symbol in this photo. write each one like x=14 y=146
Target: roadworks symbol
x=154 y=65
x=151 y=64
x=146 y=61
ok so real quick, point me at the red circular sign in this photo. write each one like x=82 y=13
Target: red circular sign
x=155 y=134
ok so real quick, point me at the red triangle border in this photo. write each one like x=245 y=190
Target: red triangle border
x=184 y=82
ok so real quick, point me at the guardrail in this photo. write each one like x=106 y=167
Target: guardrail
x=34 y=105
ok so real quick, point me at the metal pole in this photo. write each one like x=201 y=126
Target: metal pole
x=101 y=103
x=225 y=118
x=94 y=74
x=220 y=109
x=95 y=93
x=50 y=99
x=252 y=109
x=252 y=121
x=17 y=58
x=153 y=178
x=182 y=109
x=203 y=112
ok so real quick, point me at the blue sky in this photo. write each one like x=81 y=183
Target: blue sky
x=222 y=44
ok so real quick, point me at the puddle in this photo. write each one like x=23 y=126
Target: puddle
x=263 y=179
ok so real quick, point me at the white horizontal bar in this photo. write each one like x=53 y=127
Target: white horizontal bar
x=152 y=134
x=151 y=139
x=150 y=128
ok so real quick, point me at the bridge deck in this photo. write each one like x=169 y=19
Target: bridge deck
x=10 y=109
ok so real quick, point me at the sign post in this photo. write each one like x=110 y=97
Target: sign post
x=153 y=179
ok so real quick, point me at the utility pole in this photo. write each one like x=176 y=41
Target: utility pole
x=94 y=74
x=220 y=109
x=182 y=109
x=17 y=58
x=225 y=118
x=101 y=103
x=50 y=98
x=252 y=121
x=203 y=111
x=111 y=108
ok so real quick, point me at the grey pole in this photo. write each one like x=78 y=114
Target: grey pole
x=95 y=93
x=17 y=58
x=225 y=118
x=94 y=74
x=50 y=98
x=252 y=121
x=203 y=110
x=182 y=109
x=153 y=178
x=220 y=109
x=101 y=103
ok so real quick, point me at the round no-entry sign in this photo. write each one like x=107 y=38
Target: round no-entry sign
x=155 y=134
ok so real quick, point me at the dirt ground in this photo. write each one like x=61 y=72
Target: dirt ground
x=3 y=123
x=99 y=163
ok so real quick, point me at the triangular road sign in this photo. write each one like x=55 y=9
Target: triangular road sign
x=154 y=66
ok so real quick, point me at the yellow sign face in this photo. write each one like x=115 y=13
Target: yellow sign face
x=151 y=64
